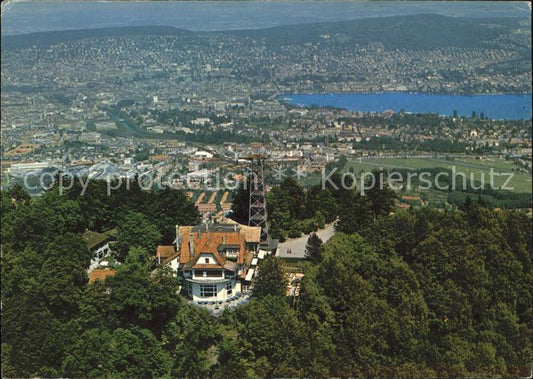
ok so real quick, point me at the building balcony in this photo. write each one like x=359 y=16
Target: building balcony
x=206 y=279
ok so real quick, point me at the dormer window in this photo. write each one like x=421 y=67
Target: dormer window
x=230 y=253
x=206 y=260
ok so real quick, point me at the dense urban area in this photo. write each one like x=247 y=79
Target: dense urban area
x=167 y=212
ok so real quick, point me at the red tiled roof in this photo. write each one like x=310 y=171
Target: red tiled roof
x=170 y=258
x=208 y=242
x=100 y=274
x=165 y=251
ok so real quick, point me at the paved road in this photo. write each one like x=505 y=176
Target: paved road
x=297 y=245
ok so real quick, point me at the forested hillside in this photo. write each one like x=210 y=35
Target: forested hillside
x=414 y=294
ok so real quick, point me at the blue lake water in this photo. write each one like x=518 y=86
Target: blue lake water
x=496 y=106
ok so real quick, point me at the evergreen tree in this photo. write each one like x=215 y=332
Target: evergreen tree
x=380 y=195
x=241 y=204
x=313 y=248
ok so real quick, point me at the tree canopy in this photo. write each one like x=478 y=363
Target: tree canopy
x=270 y=278
x=420 y=293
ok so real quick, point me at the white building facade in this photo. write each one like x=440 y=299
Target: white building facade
x=215 y=263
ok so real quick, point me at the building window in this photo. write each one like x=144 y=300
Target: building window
x=206 y=260
x=229 y=288
x=208 y=290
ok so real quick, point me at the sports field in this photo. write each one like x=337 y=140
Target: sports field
x=475 y=168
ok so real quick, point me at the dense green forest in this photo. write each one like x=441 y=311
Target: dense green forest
x=293 y=210
x=424 y=293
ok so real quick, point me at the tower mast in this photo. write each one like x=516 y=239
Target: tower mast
x=257 y=211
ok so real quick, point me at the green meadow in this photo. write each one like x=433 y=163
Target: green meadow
x=475 y=168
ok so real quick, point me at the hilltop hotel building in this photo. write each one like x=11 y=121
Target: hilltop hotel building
x=214 y=262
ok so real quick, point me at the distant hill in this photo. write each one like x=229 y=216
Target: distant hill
x=46 y=39
x=414 y=31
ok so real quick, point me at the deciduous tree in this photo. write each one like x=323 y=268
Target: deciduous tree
x=270 y=279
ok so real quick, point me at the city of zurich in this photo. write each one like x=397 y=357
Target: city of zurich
x=266 y=189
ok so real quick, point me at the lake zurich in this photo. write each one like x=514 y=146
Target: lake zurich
x=496 y=106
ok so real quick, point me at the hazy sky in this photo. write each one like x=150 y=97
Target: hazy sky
x=26 y=17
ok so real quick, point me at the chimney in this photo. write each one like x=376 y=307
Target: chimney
x=177 y=240
x=191 y=244
x=223 y=240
